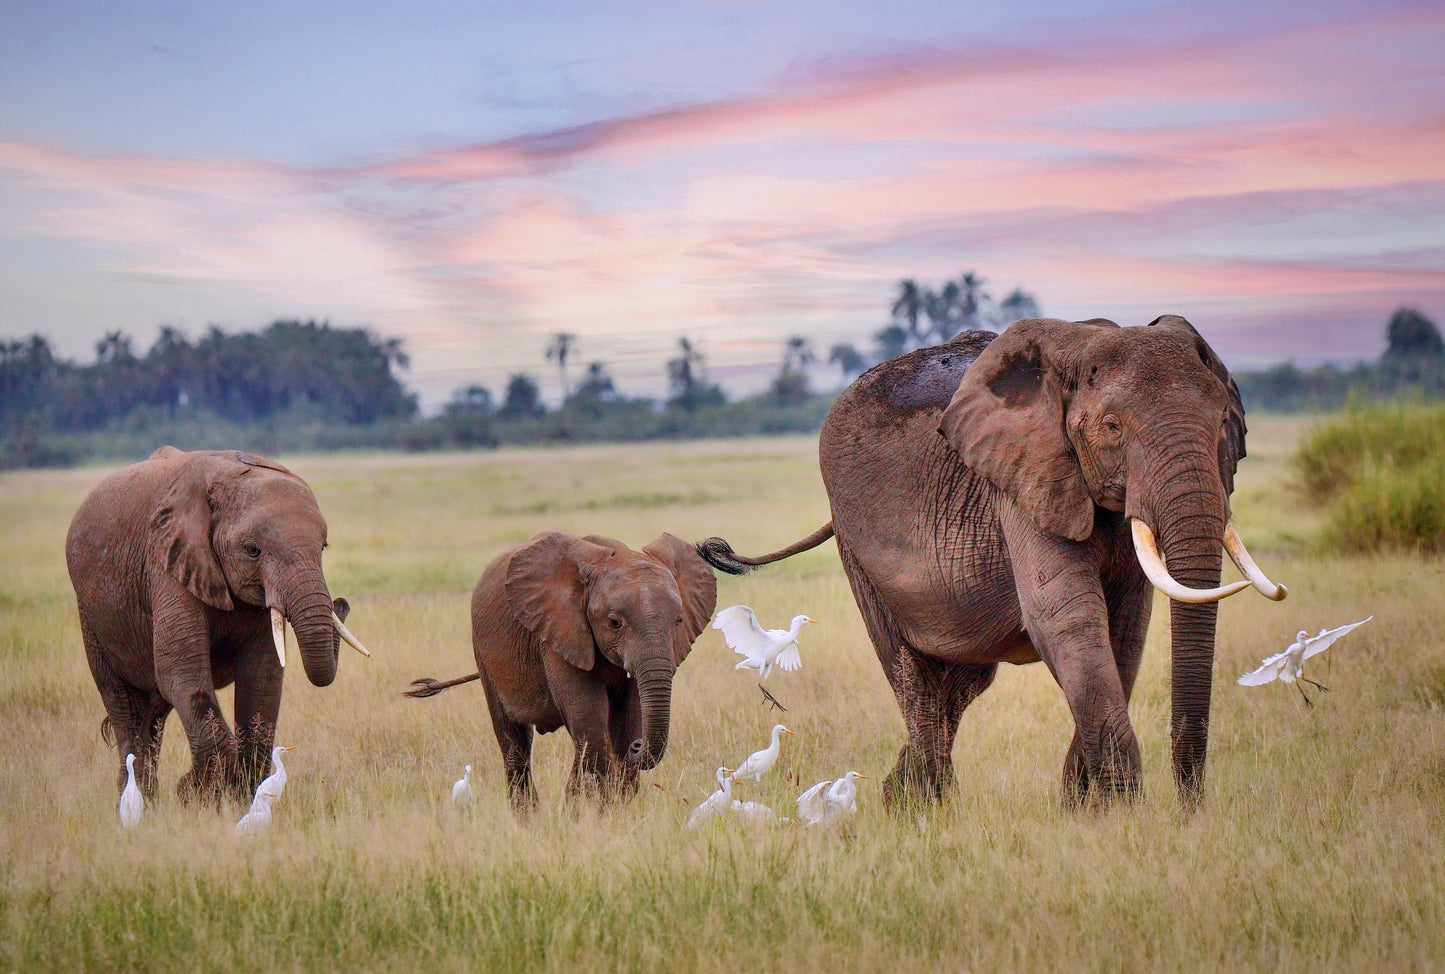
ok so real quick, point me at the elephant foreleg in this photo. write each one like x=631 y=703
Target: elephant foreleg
x=183 y=676
x=258 y=705
x=1066 y=615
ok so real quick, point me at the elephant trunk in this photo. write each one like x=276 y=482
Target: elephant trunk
x=1190 y=515
x=308 y=608
x=654 y=686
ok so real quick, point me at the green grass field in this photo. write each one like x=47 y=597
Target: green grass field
x=1321 y=843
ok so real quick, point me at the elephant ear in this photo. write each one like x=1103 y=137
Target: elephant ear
x=1007 y=422
x=180 y=533
x=1231 y=437
x=695 y=583
x=547 y=590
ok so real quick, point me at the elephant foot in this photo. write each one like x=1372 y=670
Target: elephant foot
x=916 y=781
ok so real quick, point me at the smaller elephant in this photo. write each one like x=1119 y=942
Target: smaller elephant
x=187 y=568
x=586 y=633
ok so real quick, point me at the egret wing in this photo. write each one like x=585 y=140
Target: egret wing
x=790 y=659
x=1320 y=643
x=1269 y=670
x=812 y=804
x=741 y=631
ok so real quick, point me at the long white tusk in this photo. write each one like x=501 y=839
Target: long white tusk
x=278 y=634
x=1238 y=554
x=346 y=635
x=1147 y=551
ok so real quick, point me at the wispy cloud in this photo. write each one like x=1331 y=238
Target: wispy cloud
x=1250 y=182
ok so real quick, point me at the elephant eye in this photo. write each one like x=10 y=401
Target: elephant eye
x=251 y=548
x=615 y=622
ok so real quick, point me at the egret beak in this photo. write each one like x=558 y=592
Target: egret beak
x=861 y=774
x=346 y=635
x=788 y=732
x=278 y=634
x=1146 y=549
x=291 y=748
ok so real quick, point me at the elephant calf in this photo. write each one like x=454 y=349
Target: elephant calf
x=586 y=633
x=186 y=568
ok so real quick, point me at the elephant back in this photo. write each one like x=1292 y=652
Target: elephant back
x=917 y=381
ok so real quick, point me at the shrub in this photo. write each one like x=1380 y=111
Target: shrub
x=1380 y=474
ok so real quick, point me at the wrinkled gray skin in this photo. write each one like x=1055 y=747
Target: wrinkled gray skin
x=980 y=493
x=587 y=633
x=176 y=561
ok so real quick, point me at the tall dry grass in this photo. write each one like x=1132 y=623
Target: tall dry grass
x=1319 y=845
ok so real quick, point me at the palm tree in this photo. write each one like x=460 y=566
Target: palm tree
x=909 y=304
x=559 y=347
x=685 y=376
x=848 y=359
x=892 y=341
x=1019 y=304
x=797 y=354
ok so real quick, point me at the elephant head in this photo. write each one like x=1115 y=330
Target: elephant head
x=1066 y=417
x=235 y=527
x=641 y=611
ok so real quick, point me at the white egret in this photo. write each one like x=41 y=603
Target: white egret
x=462 y=789
x=715 y=803
x=259 y=816
x=761 y=762
x=754 y=813
x=1288 y=665
x=830 y=801
x=760 y=648
x=276 y=781
x=131 y=803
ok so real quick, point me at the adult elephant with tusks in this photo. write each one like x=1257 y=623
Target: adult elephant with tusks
x=1005 y=498
x=586 y=633
x=187 y=567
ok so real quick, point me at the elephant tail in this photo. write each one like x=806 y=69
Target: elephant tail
x=720 y=555
x=427 y=687
x=107 y=732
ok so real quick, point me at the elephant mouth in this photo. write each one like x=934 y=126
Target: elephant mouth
x=278 y=634
x=1146 y=549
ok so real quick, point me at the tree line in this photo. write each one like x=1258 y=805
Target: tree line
x=310 y=386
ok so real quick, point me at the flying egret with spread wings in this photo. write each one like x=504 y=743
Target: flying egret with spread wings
x=1288 y=666
x=760 y=648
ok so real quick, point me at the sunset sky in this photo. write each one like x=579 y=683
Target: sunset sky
x=472 y=177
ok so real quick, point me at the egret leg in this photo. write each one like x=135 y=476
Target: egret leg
x=769 y=700
x=1315 y=684
x=1308 y=702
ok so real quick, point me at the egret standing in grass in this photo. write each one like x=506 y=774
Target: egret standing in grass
x=462 y=789
x=830 y=801
x=760 y=648
x=131 y=803
x=276 y=781
x=715 y=803
x=761 y=762
x=1288 y=666
x=259 y=817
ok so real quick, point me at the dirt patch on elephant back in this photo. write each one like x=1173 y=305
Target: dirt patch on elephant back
x=925 y=378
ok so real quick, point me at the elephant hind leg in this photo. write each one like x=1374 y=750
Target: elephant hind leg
x=134 y=718
x=515 y=740
x=933 y=695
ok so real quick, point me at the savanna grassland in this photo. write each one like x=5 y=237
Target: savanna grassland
x=1320 y=845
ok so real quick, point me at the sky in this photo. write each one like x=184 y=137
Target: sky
x=475 y=177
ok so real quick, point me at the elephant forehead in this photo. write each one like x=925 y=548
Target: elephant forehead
x=649 y=587
x=1148 y=358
